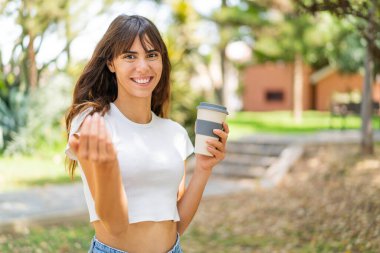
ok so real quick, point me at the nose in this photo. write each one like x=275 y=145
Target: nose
x=142 y=65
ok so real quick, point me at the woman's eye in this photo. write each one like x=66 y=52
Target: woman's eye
x=129 y=56
x=153 y=55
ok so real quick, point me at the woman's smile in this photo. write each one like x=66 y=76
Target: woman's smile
x=142 y=81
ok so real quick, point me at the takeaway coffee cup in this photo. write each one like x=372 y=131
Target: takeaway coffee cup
x=209 y=117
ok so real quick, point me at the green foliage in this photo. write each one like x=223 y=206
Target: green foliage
x=20 y=75
x=345 y=49
x=321 y=40
x=26 y=124
x=184 y=106
x=48 y=14
x=240 y=15
x=43 y=129
x=13 y=110
x=181 y=47
x=364 y=16
x=292 y=35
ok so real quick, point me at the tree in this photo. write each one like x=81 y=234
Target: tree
x=366 y=18
x=230 y=18
x=300 y=48
x=35 y=19
x=290 y=36
x=286 y=31
x=20 y=75
x=182 y=47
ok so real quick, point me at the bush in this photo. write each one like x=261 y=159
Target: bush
x=13 y=110
x=184 y=107
x=44 y=128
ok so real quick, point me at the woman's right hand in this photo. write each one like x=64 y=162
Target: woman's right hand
x=97 y=156
x=93 y=144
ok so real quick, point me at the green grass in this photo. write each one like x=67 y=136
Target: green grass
x=76 y=237
x=22 y=172
x=282 y=122
x=72 y=237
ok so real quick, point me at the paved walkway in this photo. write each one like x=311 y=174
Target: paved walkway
x=57 y=203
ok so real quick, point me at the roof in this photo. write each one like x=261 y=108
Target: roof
x=322 y=74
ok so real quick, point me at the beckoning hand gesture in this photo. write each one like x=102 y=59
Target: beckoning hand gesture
x=93 y=144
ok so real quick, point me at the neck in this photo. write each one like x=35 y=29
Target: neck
x=135 y=109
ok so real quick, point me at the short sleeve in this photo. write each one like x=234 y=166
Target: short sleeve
x=187 y=145
x=75 y=125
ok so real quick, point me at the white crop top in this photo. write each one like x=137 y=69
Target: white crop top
x=151 y=159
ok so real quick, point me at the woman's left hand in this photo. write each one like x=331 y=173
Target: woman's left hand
x=216 y=147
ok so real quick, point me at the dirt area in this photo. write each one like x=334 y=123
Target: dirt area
x=328 y=202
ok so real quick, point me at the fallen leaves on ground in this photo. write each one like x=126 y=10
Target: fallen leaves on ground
x=328 y=202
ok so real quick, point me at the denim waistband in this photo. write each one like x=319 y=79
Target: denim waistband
x=99 y=247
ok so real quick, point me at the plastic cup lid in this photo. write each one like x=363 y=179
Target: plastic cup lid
x=213 y=107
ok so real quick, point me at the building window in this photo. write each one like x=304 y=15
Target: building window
x=274 y=96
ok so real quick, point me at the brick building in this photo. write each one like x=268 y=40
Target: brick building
x=269 y=87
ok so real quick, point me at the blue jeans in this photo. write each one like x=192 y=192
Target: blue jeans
x=98 y=247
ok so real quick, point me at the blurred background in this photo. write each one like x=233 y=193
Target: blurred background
x=284 y=69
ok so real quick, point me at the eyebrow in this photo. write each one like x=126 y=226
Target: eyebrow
x=134 y=52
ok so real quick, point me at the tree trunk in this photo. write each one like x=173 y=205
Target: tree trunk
x=366 y=129
x=366 y=107
x=220 y=89
x=69 y=36
x=298 y=89
x=31 y=64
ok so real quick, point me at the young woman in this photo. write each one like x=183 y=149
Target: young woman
x=130 y=156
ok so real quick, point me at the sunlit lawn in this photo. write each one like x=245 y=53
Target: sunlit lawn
x=282 y=122
x=21 y=172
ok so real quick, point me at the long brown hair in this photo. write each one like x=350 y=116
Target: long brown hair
x=96 y=87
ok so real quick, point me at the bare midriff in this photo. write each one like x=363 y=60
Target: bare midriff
x=145 y=237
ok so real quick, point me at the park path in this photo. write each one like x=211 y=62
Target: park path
x=59 y=203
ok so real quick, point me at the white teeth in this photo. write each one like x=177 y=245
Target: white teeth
x=142 y=80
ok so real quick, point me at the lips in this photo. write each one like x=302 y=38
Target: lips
x=142 y=80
